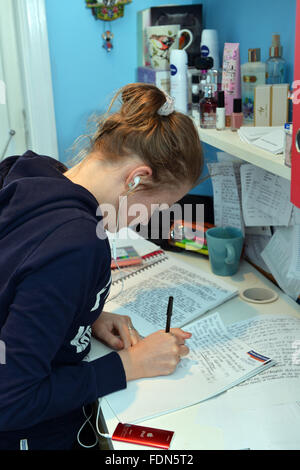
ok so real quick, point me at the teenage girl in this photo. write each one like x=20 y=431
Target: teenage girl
x=55 y=268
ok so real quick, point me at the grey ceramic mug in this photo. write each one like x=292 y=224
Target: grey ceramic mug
x=225 y=246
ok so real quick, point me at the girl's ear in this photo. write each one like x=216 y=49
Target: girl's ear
x=135 y=177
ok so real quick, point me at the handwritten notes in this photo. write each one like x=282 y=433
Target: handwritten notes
x=227 y=188
x=145 y=296
x=265 y=197
x=217 y=361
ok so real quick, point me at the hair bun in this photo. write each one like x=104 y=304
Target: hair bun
x=141 y=100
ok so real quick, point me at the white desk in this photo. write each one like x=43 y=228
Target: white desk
x=188 y=434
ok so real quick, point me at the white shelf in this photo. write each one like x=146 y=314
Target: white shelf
x=229 y=142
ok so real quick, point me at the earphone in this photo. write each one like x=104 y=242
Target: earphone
x=135 y=184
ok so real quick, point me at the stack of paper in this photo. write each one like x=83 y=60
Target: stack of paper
x=217 y=362
x=270 y=139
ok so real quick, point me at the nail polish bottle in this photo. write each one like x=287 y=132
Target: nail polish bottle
x=237 y=115
x=220 y=114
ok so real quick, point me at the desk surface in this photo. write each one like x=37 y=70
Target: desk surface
x=188 y=434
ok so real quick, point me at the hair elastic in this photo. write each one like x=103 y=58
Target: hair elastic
x=168 y=107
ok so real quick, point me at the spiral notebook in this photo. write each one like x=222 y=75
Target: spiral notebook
x=145 y=290
x=146 y=261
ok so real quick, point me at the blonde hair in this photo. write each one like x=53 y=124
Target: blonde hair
x=170 y=145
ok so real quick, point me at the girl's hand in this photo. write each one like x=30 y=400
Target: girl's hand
x=157 y=354
x=115 y=330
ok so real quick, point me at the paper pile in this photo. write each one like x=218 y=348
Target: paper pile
x=270 y=139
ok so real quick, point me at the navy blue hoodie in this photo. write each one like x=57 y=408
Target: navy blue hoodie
x=54 y=279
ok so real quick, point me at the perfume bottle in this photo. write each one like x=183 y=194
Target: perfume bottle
x=276 y=65
x=253 y=74
x=208 y=108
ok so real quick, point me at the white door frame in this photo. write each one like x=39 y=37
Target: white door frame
x=32 y=32
x=12 y=108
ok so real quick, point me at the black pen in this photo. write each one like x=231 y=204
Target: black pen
x=169 y=314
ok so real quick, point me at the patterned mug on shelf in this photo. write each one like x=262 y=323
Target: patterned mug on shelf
x=162 y=39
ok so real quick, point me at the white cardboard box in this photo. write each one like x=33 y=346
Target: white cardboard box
x=262 y=105
x=279 y=113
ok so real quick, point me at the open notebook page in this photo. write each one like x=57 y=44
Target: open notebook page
x=145 y=295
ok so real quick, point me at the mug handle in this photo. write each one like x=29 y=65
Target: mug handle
x=231 y=255
x=189 y=33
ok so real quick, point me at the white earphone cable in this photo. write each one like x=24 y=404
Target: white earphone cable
x=132 y=187
x=96 y=431
x=114 y=253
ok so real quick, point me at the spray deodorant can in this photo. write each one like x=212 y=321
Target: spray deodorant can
x=179 y=79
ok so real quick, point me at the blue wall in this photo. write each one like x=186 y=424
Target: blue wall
x=85 y=76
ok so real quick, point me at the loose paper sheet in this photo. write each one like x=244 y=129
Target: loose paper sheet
x=216 y=362
x=227 y=188
x=254 y=246
x=252 y=134
x=265 y=197
x=294 y=270
x=278 y=257
x=272 y=142
x=296 y=215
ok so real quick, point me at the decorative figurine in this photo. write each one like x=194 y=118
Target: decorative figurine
x=108 y=37
x=107 y=10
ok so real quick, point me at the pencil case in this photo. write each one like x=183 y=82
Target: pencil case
x=189 y=236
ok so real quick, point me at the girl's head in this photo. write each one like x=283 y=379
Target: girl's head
x=169 y=145
x=136 y=140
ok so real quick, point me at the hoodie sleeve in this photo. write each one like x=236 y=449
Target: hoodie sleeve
x=53 y=285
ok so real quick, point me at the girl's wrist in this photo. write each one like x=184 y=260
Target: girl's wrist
x=127 y=358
